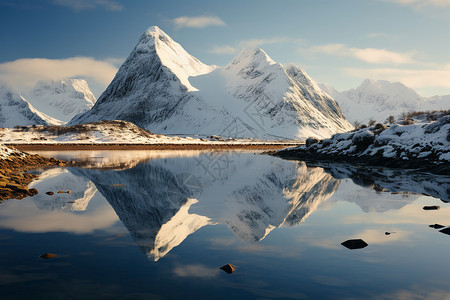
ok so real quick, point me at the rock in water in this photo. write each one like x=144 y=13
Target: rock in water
x=437 y=226
x=228 y=268
x=48 y=255
x=354 y=244
x=445 y=230
x=431 y=207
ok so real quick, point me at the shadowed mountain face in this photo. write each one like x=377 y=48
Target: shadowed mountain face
x=161 y=202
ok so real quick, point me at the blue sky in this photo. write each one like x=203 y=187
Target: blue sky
x=339 y=42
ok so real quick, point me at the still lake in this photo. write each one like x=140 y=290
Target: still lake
x=160 y=224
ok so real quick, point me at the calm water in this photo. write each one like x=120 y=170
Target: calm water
x=160 y=224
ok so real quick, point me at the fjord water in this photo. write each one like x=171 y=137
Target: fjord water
x=160 y=224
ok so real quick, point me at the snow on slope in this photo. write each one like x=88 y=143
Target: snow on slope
x=150 y=84
x=62 y=99
x=416 y=146
x=380 y=99
x=5 y=152
x=16 y=111
x=166 y=90
x=110 y=132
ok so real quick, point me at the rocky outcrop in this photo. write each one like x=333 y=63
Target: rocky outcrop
x=423 y=147
x=13 y=176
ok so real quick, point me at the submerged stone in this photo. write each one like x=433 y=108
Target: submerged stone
x=437 y=226
x=228 y=268
x=48 y=255
x=431 y=207
x=445 y=230
x=354 y=244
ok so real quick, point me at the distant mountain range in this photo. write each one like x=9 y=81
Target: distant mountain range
x=62 y=99
x=163 y=88
x=15 y=110
x=380 y=99
x=49 y=103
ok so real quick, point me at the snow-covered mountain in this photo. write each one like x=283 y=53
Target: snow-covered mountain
x=163 y=88
x=16 y=111
x=380 y=99
x=62 y=99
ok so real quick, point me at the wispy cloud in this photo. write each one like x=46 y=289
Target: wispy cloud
x=198 y=22
x=369 y=55
x=438 y=77
x=22 y=74
x=79 y=5
x=251 y=43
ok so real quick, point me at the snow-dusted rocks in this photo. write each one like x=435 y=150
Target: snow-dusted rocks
x=380 y=99
x=163 y=88
x=416 y=146
x=62 y=99
x=16 y=111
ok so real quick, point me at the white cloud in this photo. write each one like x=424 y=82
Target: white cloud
x=79 y=5
x=198 y=22
x=252 y=43
x=369 y=55
x=418 y=3
x=22 y=74
x=414 y=78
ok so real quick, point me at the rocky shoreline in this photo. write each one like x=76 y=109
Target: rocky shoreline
x=14 y=177
x=421 y=147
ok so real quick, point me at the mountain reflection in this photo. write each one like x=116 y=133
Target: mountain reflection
x=394 y=180
x=163 y=201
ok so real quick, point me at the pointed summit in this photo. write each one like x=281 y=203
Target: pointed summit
x=154 y=41
x=163 y=88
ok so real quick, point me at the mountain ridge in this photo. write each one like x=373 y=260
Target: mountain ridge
x=163 y=88
x=62 y=99
x=379 y=99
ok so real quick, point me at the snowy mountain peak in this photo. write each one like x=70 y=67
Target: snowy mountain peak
x=379 y=99
x=154 y=41
x=163 y=88
x=384 y=87
x=252 y=55
x=16 y=111
x=62 y=99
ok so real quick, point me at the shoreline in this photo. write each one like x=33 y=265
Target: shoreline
x=75 y=147
x=364 y=161
x=14 y=176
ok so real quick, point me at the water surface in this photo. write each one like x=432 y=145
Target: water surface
x=159 y=224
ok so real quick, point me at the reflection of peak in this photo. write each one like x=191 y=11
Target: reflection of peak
x=163 y=201
x=81 y=204
x=156 y=216
x=177 y=229
x=58 y=179
x=287 y=194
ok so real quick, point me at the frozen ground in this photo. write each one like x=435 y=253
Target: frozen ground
x=109 y=132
